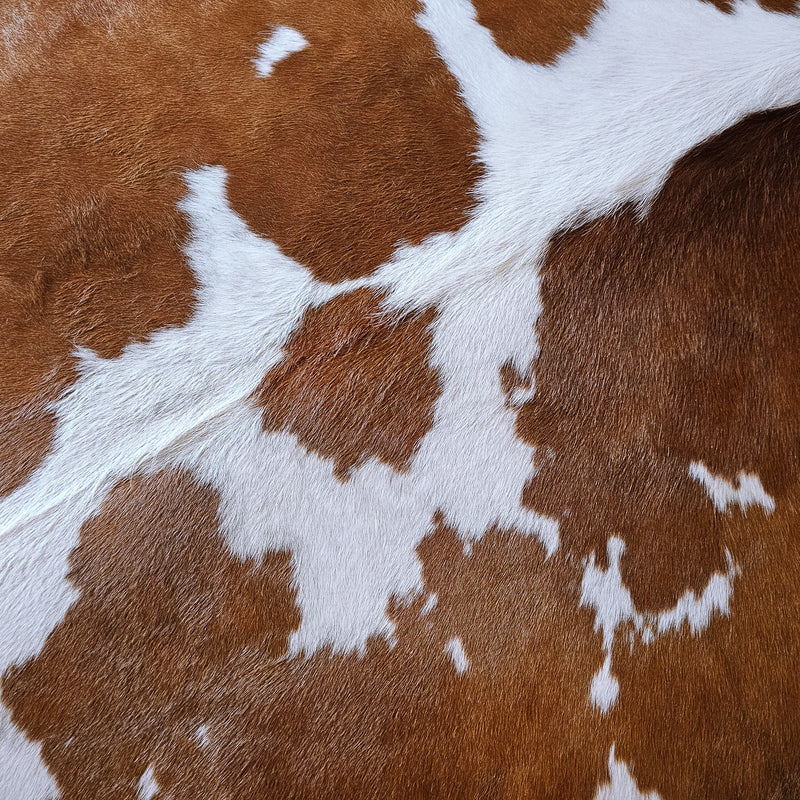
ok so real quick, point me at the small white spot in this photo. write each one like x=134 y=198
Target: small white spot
x=723 y=493
x=621 y=786
x=455 y=649
x=147 y=784
x=283 y=42
x=520 y=395
x=467 y=547
x=605 y=687
x=430 y=604
x=201 y=735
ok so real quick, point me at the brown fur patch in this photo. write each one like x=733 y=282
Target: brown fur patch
x=354 y=383
x=89 y=236
x=25 y=438
x=783 y=6
x=673 y=340
x=163 y=607
x=538 y=31
x=371 y=145
x=172 y=633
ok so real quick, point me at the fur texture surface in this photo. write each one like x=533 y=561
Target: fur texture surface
x=400 y=400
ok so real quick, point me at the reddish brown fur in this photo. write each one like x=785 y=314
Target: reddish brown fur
x=354 y=383
x=540 y=31
x=163 y=608
x=666 y=341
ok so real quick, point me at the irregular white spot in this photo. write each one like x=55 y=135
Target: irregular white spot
x=697 y=611
x=621 y=785
x=283 y=42
x=430 y=604
x=23 y=773
x=604 y=591
x=520 y=395
x=455 y=649
x=607 y=594
x=147 y=785
x=604 y=688
x=724 y=494
x=201 y=735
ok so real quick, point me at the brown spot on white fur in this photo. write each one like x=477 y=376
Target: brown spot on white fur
x=354 y=383
x=538 y=31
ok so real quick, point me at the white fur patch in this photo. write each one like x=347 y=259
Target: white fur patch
x=196 y=414
x=22 y=772
x=520 y=395
x=470 y=466
x=604 y=688
x=283 y=42
x=621 y=785
x=201 y=736
x=604 y=591
x=430 y=604
x=455 y=649
x=724 y=494
x=147 y=787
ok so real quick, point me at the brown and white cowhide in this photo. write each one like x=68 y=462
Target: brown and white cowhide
x=399 y=400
